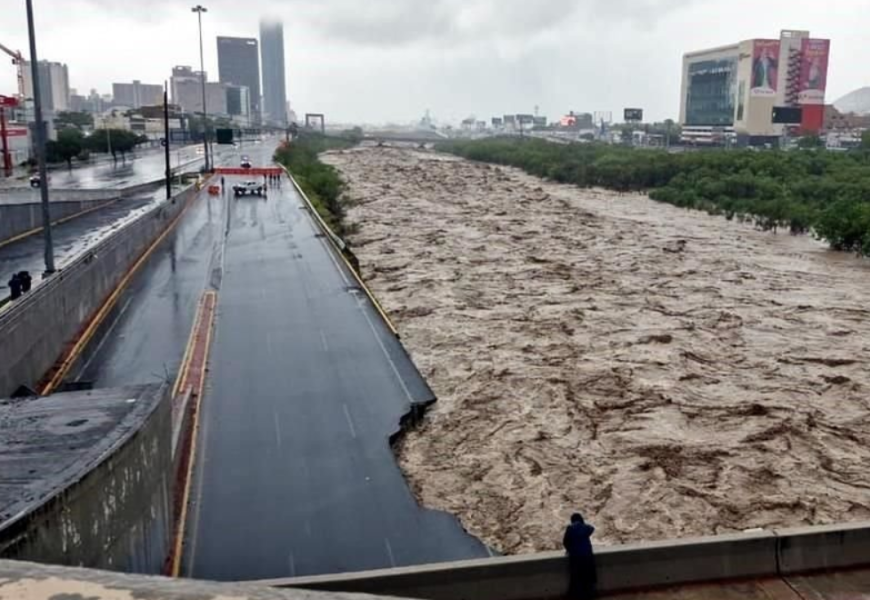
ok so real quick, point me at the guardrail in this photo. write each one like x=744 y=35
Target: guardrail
x=342 y=249
x=627 y=568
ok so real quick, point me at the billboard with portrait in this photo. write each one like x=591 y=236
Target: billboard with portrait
x=765 y=67
x=814 y=71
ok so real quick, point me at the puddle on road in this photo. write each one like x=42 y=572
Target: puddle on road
x=666 y=372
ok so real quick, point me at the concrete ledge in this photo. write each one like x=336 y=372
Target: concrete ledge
x=620 y=568
x=807 y=549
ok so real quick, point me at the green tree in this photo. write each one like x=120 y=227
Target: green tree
x=114 y=141
x=811 y=142
x=79 y=120
x=69 y=144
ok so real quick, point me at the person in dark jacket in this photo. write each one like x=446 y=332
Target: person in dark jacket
x=578 y=544
x=25 y=280
x=14 y=287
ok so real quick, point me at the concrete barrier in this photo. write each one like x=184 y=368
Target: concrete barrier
x=620 y=568
x=808 y=549
x=101 y=486
x=38 y=328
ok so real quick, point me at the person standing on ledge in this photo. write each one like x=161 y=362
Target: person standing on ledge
x=578 y=545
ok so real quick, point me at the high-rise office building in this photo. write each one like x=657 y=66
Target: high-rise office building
x=53 y=84
x=734 y=89
x=137 y=94
x=239 y=64
x=274 y=87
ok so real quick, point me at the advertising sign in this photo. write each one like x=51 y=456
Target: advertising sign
x=814 y=71
x=765 y=67
x=633 y=114
x=787 y=115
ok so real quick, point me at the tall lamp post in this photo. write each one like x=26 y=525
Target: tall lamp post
x=199 y=9
x=39 y=132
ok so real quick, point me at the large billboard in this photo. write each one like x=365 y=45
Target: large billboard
x=814 y=71
x=633 y=114
x=765 y=67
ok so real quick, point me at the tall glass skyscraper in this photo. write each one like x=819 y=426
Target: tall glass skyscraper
x=274 y=88
x=239 y=64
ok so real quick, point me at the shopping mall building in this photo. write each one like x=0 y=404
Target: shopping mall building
x=729 y=93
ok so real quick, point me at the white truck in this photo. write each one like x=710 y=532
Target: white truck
x=249 y=188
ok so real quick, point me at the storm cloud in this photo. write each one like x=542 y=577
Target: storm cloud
x=390 y=60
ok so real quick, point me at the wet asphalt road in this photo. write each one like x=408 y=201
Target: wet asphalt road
x=295 y=475
x=294 y=472
x=144 y=167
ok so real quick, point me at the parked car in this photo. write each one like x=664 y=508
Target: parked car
x=249 y=188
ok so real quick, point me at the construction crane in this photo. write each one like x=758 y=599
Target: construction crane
x=18 y=61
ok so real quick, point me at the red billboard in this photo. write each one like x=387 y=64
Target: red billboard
x=814 y=71
x=765 y=67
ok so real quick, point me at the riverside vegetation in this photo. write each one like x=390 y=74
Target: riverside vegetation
x=805 y=191
x=321 y=182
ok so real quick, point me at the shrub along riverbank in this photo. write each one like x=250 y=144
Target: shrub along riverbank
x=816 y=191
x=321 y=182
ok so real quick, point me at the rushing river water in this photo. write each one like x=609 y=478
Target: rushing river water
x=666 y=372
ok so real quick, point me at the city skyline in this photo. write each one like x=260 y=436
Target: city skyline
x=457 y=58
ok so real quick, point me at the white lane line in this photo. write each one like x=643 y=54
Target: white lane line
x=390 y=552
x=387 y=354
x=277 y=429
x=323 y=341
x=349 y=420
x=489 y=551
x=106 y=336
x=292 y=565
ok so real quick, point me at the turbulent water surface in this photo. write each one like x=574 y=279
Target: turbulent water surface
x=666 y=372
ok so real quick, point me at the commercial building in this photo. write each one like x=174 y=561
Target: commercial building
x=730 y=92
x=53 y=85
x=239 y=64
x=238 y=101
x=137 y=94
x=274 y=84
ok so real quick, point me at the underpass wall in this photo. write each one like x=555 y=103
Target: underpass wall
x=117 y=515
x=37 y=329
x=17 y=219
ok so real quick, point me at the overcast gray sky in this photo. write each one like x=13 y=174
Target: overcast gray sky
x=381 y=60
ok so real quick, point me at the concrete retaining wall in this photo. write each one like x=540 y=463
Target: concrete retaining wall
x=37 y=329
x=16 y=219
x=118 y=515
x=620 y=568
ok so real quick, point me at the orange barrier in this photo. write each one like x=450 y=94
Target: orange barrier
x=252 y=171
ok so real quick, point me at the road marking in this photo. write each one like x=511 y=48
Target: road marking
x=390 y=552
x=277 y=428
x=292 y=565
x=103 y=341
x=323 y=340
x=387 y=354
x=489 y=551
x=206 y=322
x=349 y=420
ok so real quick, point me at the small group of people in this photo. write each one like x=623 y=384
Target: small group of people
x=19 y=284
x=273 y=179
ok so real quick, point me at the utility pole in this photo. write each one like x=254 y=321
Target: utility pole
x=39 y=131
x=199 y=9
x=166 y=142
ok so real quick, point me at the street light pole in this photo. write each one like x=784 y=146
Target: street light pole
x=39 y=132
x=199 y=9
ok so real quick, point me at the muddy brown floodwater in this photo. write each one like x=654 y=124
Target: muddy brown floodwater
x=666 y=372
